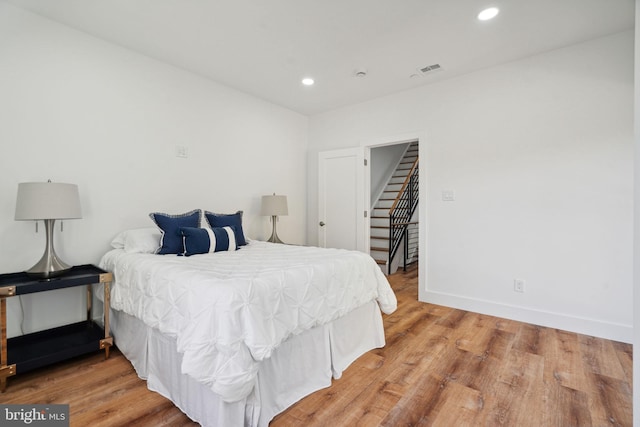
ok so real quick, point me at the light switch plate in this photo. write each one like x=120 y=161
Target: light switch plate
x=448 y=195
x=182 y=151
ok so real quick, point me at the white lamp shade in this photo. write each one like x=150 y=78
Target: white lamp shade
x=274 y=205
x=47 y=200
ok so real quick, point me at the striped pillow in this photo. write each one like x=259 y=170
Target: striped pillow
x=205 y=240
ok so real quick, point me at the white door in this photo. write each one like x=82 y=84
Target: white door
x=341 y=205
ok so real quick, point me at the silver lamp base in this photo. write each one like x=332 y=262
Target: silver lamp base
x=274 y=235
x=50 y=265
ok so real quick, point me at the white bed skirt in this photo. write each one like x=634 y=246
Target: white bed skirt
x=301 y=365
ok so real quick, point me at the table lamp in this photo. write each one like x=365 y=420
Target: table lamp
x=47 y=201
x=274 y=206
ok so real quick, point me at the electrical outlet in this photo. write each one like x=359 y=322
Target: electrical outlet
x=518 y=285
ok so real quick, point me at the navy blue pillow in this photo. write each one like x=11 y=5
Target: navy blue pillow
x=224 y=220
x=171 y=240
x=204 y=240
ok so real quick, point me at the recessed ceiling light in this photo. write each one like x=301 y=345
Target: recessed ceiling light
x=308 y=81
x=489 y=13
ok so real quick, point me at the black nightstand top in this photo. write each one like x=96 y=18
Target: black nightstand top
x=76 y=276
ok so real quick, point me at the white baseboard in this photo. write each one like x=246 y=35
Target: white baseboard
x=581 y=325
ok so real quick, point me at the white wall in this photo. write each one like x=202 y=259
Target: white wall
x=77 y=109
x=540 y=155
x=383 y=162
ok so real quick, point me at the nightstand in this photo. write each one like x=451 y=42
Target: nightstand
x=26 y=352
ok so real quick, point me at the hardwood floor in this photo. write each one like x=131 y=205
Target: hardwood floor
x=440 y=367
x=447 y=367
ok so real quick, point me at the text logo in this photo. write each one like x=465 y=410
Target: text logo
x=34 y=415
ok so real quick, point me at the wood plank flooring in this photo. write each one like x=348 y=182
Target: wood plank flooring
x=440 y=367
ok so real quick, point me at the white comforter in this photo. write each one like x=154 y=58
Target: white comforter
x=229 y=310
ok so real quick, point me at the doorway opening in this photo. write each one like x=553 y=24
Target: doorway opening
x=393 y=201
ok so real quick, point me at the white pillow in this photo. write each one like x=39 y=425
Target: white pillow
x=138 y=240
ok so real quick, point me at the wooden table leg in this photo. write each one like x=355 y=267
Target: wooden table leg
x=5 y=371
x=107 y=309
x=3 y=342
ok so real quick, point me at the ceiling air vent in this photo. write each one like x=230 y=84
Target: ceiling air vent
x=430 y=68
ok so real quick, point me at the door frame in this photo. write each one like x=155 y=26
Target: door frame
x=421 y=137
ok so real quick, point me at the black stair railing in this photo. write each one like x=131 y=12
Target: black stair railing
x=401 y=212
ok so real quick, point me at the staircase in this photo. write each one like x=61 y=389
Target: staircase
x=391 y=233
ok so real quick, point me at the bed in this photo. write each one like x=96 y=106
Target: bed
x=235 y=337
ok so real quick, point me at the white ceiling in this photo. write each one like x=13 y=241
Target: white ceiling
x=265 y=47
